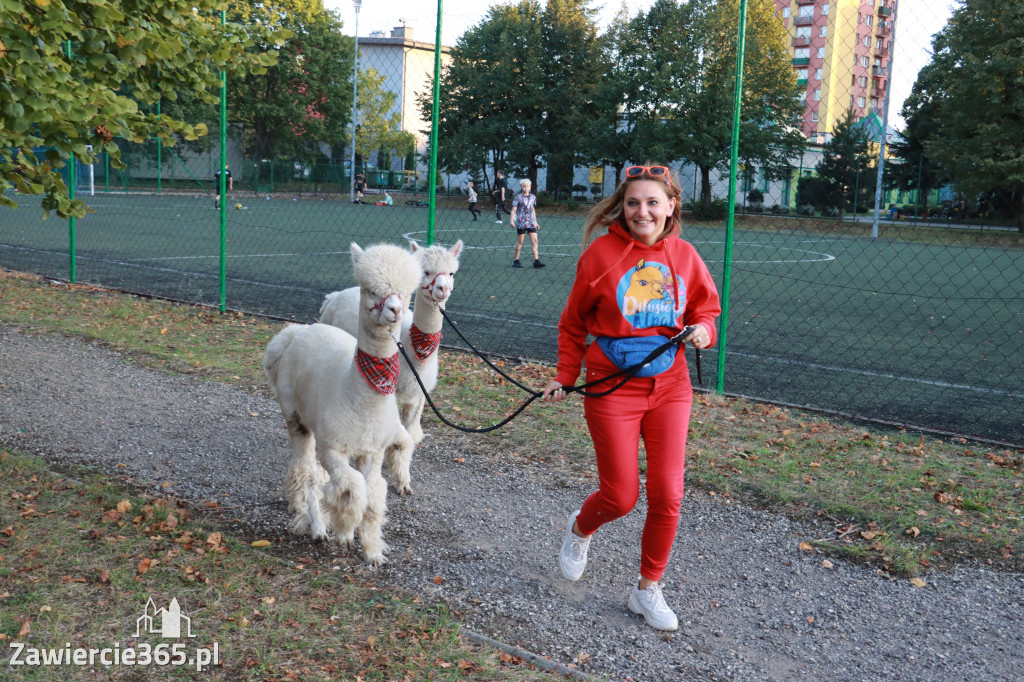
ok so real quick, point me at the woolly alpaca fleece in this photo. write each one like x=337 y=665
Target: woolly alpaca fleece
x=338 y=425
x=341 y=309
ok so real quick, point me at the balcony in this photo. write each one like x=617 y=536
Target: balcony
x=878 y=72
x=882 y=30
x=805 y=2
x=802 y=82
x=803 y=21
x=881 y=52
x=801 y=41
x=884 y=11
x=801 y=61
x=878 y=91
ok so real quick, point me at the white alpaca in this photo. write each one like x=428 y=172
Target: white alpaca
x=336 y=392
x=421 y=335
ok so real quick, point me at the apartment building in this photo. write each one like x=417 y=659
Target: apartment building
x=841 y=51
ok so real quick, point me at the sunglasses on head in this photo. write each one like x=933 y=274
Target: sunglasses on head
x=657 y=172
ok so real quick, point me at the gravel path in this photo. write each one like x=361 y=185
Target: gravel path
x=751 y=605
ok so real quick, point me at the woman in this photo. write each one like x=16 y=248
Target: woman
x=524 y=219
x=638 y=281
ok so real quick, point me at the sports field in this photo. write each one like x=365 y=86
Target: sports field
x=904 y=331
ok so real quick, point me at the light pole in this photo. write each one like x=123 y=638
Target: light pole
x=355 y=84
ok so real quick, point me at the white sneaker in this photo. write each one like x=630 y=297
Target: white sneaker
x=497 y=222
x=650 y=604
x=573 y=557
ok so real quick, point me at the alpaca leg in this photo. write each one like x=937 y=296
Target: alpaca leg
x=304 y=482
x=371 y=528
x=398 y=456
x=344 y=495
x=412 y=412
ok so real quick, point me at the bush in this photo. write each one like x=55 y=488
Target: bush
x=780 y=210
x=755 y=196
x=717 y=211
x=572 y=204
x=755 y=207
x=806 y=209
x=830 y=212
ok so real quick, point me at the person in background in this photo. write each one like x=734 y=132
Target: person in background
x=359 y=186
x=635 y=285
x=472 y=199
x=229 y=183
x=524 y=219
x=498 y=195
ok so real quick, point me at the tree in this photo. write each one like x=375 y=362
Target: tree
x=844 y=166
x=77 y=74
x=304 y=100
x=379 y=128
x=976 y=85
x=911 y=167
x=684 y=68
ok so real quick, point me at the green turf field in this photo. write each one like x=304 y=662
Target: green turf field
x=907 y=331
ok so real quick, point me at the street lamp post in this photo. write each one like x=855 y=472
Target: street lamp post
x=355 y=84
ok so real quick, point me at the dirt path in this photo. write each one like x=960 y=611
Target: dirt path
x=751 y=605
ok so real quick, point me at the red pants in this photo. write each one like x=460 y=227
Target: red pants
x=658 y=410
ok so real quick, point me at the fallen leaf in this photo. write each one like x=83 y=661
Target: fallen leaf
x=868 y=534
x=144 y=565
x=261 y=543
x=806 y=547
x=269 y=600
x=917 y=582
x=438 y=580
x=826 y=563
x=913 y=531
x=123 y=506
x=213 y=539
x=44 y=609
x=25 y=628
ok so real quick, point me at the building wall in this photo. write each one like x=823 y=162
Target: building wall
x=827 y=40
x=408 y=66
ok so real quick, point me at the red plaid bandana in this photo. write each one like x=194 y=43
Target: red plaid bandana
x=424 y=344
x=380 y=373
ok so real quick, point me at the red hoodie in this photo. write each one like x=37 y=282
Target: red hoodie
x=625 y=288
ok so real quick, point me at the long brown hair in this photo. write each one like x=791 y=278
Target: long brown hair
x=609 y=209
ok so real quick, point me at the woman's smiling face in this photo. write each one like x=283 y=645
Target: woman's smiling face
x=645 y=207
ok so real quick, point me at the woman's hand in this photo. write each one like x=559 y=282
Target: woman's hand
x=553 y=392
x=699 y=337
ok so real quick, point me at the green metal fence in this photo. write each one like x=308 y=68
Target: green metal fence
x=893 y=318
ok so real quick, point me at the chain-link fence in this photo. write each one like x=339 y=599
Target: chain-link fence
x=899 y=301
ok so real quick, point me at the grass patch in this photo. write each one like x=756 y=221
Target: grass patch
x=899 y=499
x=80 y=556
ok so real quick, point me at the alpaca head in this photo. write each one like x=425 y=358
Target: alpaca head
x=387 y=275
x=439 y=266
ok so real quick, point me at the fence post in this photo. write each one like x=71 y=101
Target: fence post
x=435 y=116
x=731 y=219
x=222 y=181
x=72 y=266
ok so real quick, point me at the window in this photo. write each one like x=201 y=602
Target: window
x=803 y=32
x=822 y=31
x=817 y=95
x=863 y=81
x=861 y=101
x=867 y=41
x=868 y=19
x=821 y=53
x=785 y=13
x=805 y=11
x=824 y=10
x=814 y=116
x=817 y=74
x=865 y=62
x=879 y=44
x=802 y=53
x=801 y=74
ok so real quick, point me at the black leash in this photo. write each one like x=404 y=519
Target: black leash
x=626 y=375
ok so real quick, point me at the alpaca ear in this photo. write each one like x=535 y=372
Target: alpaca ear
x=457 y=249
x=356 y=252
x=414 y=246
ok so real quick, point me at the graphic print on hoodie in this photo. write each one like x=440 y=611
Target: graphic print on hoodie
x=648 y=297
